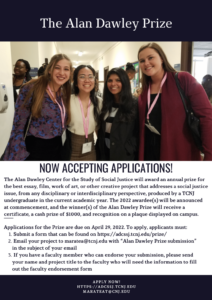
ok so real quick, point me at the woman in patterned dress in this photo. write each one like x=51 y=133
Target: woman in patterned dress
x=43 y=106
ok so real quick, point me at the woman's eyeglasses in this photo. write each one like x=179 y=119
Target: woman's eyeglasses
x=89 y=77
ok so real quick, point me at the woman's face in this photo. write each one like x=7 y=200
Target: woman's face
x=150 y=62
x=61 y=73
x=20 y=68
x=85 y=80
x=131 y=75
x=114 y=84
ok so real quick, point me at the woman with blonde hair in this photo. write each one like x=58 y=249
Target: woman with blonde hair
x=164 y=132
x=42 y=112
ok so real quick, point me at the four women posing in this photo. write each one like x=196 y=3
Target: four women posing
x=157 y=120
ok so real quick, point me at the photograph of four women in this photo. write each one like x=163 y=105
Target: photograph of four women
x=52 y=122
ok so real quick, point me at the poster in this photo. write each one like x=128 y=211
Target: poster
x=148 y=25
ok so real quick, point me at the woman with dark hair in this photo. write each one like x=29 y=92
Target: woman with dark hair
x=72 y=81
x=85 y=109
x=164 y=133
x=118 y=133
x=21 y=75
x=41 y=113
x=207 y=85
x=130 y=69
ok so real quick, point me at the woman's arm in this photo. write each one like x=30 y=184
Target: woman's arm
x=202 y=109
x=16 y=147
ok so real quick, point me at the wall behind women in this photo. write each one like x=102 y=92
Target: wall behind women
x=123 y=52
x=34 y=52
x=46 y=50
x=6 y=118
x=27 y=51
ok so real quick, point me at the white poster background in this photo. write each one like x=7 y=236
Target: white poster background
x=198 y=227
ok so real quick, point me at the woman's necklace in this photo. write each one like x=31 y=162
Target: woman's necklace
x=52 y=95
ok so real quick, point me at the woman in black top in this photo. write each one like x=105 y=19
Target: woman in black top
x=118 y=122
x=21 y=75
x=207 y=85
